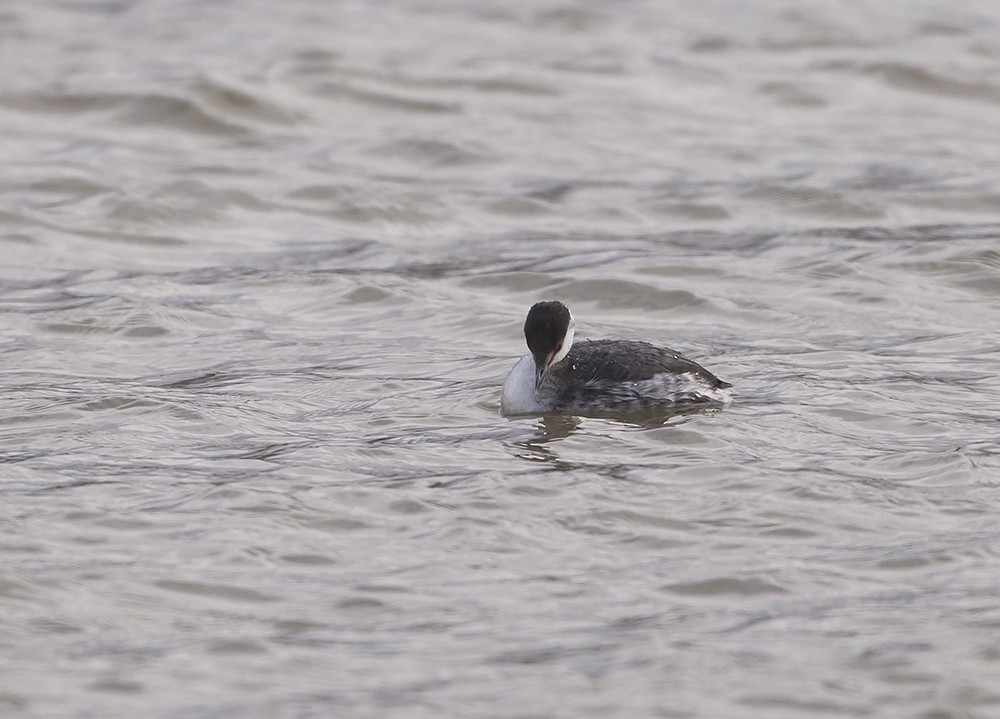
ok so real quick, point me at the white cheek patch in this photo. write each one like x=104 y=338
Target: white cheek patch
x=566 y=343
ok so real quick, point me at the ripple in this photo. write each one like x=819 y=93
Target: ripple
x=687 y=210
x=117 y=686
x=228 y=592
x=815 y=202
x=624 y=294
x=424 y=151
x=385 y=99
x=246 y=105
x=163 y=111
x=722 y=586
x=792 y=95
x=183 y=202
x=918 y=79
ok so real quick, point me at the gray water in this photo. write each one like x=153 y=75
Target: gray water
x=264 y=268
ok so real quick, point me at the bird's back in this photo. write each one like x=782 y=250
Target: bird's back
x=609 y=374
x=629 y=361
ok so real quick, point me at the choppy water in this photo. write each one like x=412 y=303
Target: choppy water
x=264 y=269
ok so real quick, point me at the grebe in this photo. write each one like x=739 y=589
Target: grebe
x=600 y=375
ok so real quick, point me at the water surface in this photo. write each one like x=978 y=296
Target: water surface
x=265 y=267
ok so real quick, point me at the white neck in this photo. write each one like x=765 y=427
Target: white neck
x=566 y=343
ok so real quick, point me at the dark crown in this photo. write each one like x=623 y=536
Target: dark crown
x=545 y=328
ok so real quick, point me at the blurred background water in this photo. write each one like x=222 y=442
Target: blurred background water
x=264 y=268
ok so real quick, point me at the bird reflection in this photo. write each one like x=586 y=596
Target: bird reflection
x=549 y=428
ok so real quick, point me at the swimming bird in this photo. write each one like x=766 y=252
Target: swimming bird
x=600 y=376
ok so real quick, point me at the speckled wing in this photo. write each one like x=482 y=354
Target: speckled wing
x=629 y=361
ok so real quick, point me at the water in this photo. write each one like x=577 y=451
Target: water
x=264 y=270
